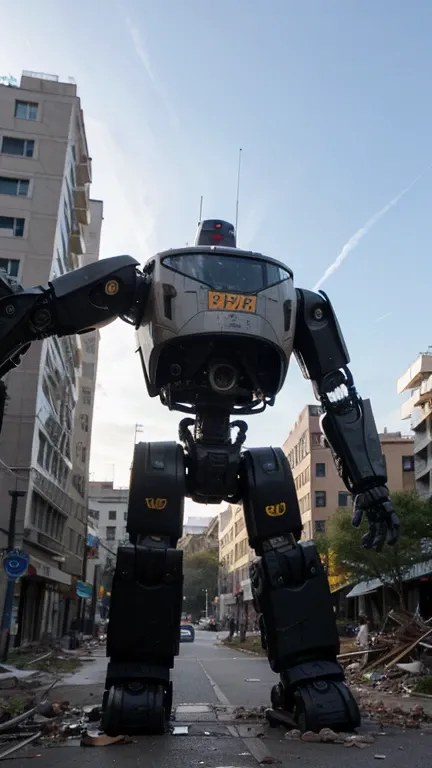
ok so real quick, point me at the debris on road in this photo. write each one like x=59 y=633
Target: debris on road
x=253 y=713
x=328 y=736
x=21 y=745
x=100 y=739
x=180 y=730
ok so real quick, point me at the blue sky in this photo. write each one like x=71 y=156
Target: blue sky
x=330 y=101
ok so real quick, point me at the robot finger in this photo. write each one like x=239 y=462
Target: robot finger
x=369 y=537
x=394 y=530
x=380 y=536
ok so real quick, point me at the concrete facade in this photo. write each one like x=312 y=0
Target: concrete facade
x=108 y=510
x=48 y=226
x=417 y=380
x=320 y=490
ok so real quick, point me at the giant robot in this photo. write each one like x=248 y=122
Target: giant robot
x=216 y=327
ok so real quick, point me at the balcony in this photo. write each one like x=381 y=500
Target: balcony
x=420 y=414
x=422 y=467
x=424 y=392
x=83 y=170
x=421 y=441
x=408 y=406
x=415 y=374
x=76 y=240
x=43 y=541
x=82 y=205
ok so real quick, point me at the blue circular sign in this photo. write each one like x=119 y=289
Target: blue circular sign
x=15 y=564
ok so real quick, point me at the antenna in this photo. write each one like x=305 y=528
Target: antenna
x=238 y=192
x=200 y=210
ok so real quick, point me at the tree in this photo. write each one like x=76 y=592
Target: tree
x=341 y=545
x=200 y=574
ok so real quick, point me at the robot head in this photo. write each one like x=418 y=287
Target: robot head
x=216 y=232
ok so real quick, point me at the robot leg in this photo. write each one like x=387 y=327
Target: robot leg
x=291 y=592
x=146 y=596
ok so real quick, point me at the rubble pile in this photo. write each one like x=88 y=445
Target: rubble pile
x=400 y=656
x=327 y=736
x=403 y=635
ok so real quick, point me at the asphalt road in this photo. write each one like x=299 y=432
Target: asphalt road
x=208 y=682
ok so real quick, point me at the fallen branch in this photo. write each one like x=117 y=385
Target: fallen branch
x=16 y=747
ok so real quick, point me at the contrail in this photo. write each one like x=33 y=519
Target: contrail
x=365 y=229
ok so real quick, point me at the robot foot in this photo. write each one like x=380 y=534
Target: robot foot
x=314 y=704
x=137 y=707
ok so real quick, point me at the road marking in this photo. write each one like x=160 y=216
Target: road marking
x=218 y=693
x=255 y=746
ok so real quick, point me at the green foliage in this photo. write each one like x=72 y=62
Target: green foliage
x=424 y=685
x=393 y=563
x=200 y=573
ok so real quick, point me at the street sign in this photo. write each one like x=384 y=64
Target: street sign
x=15 y=564
x=84 y=590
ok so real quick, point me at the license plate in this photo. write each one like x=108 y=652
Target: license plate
x=231 y=302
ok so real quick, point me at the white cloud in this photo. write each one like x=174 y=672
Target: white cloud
x=383 y=317
x=365 y=229
x=143 y=55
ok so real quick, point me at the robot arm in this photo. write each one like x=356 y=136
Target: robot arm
x=347 y=422
x=77 y=302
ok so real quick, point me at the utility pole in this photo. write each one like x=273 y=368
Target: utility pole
x=9 y=596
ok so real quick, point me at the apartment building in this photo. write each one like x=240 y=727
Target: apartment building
x=235 y=556
x=200 y=541
x=417 y=380
x=320 y=490
x=108 y=510
x=48 y=226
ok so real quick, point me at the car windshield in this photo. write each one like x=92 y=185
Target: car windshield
x=227 y=273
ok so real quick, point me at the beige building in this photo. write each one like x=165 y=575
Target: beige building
x=417 y=380
x=235 y=556
x=191 y=543
x=48 y=226
x=320 y=490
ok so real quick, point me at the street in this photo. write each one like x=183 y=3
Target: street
x=209 y=681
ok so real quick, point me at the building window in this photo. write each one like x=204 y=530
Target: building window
x=19 y=147
x=320 y=499
x=343 y=499
x=86 y=395
x=320 y=526
x=17 y=187
x=84 y=419
x=112 y=514
x=316 y=440
x=125 y=516
x=41 y=449
x=26 y=110
x=111 y=532
x=407 y=463
x=10 y=266
x=14 y=226
x=320 y=470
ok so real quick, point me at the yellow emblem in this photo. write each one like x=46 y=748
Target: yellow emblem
x=276 y=510
x=156 y=503
x=112 y=287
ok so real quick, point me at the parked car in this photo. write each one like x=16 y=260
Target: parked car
x=187 y=633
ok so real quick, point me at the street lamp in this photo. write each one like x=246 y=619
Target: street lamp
x=9 y=596
x=206 y=602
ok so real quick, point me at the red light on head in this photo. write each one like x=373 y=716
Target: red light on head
x=218 y=225
x=218 y=237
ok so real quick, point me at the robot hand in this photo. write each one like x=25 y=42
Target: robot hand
x=77 y=302
x=382 y=520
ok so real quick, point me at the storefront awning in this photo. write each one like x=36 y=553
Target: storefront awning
x=49 y=572
x=417 y=571
x=365 y=588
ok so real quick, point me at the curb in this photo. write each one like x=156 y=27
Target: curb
x=242 y=650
